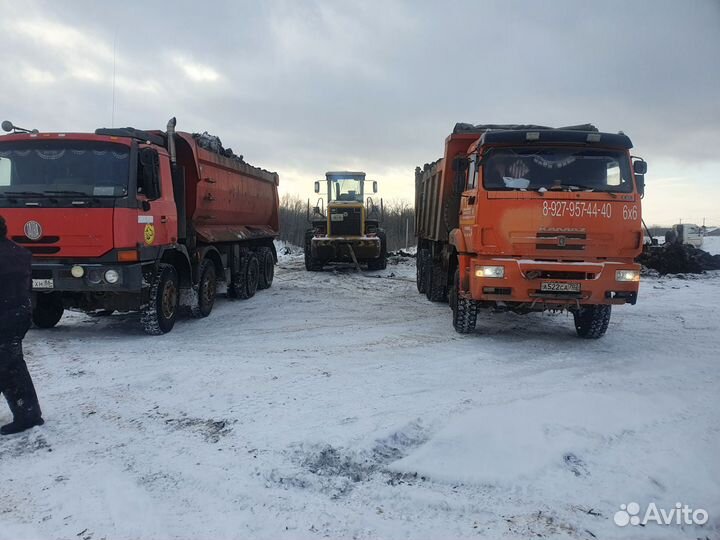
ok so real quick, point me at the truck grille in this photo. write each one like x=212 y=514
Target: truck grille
x=563 y=241
x=350 y=225
x=43 y=240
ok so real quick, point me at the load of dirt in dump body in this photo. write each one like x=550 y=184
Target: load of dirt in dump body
x=214 y=144
x=678 y=259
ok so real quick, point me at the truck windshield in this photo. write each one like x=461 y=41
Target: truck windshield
x=347 y=189
x=560 y=169
x=64 y=169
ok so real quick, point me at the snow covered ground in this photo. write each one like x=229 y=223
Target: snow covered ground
x=340 y=405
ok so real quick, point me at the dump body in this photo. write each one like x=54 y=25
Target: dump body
x=107 y=214
x=556 y=211
x=227 y=199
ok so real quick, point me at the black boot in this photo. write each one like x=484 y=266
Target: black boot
x=19 y=391
x=17 y=427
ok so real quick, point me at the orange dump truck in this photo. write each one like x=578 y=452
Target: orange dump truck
x=130 y=220
x=529 y=218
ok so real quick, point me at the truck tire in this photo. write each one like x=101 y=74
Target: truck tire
x=591 y=322
x=266 y=261
x=464 y=310
x=311 y=263
x=48 y=310
x=378 y=264
x=245 y=282
x=381 y=262
x=436 y=288
x=420 y=260
x=206 y=292
x=159 y=314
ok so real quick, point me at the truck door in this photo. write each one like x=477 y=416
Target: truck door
x=469 y=194
x=157 y=217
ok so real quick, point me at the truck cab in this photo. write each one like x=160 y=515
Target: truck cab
x=685 y=233
x=348 y=229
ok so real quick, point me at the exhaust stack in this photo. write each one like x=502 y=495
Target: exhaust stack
x=171 y=140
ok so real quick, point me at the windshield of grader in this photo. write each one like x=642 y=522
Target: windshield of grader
x=64 y=169
x=560 y=169
x=347 y=189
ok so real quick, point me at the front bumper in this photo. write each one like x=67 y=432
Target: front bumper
x=335 y=248
x=57 y=277
x=523 y=279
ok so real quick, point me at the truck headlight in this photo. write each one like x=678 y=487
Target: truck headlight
x=77 y=271
x=627 y=275
x=490 y=271
x=112 y=276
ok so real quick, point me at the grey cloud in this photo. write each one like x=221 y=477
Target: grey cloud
x=312 y=85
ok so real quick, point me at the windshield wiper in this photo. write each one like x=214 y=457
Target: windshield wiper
x=67 y=192
x=612 y=192
x=570 y=187
x=21 y=193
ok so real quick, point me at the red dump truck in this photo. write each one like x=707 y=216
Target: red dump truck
x=130 y=220
x=530 y=218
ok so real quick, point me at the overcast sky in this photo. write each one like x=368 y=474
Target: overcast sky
x=304 y=87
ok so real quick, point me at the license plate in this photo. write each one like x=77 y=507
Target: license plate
x=556 y=286
x=43 y=284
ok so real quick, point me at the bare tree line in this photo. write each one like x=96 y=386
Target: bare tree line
x=398 y=221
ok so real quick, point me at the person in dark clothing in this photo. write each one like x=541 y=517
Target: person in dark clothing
x=15 y=318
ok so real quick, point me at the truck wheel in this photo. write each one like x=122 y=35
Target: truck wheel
x=266 y=262
x=311 y=264
x=591 y=322
x=207 y=290
x=245 y=282
x=436 y=288
x=159 y=314
x=377 y=264
x=464 y=310
x=420 y=259
x=381 y=262
x=48 y=310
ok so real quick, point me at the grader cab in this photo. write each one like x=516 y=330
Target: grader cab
x=347 y=229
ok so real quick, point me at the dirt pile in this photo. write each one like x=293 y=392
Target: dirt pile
x=214 y=144
x=678 y=259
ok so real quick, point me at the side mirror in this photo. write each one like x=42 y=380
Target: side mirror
x=640 y=168
x=317 y=187
x=149 y=173
x=375 y=189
